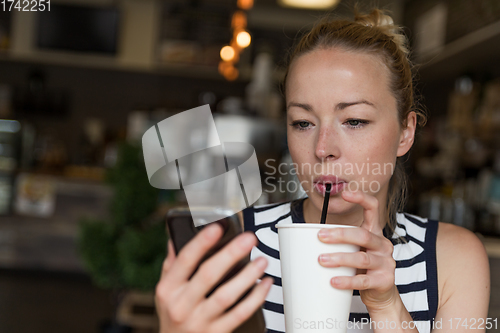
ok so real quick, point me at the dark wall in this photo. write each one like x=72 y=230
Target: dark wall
x=108 y=95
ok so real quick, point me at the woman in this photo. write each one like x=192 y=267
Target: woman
x=351 y=116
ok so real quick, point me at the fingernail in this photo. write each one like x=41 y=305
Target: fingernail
x=267 y=282
x=324 y=258
x=247 y=240
x=323 y=233
x=212 y=230
x=261 y=262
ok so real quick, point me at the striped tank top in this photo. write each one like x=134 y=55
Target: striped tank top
x=415 y=274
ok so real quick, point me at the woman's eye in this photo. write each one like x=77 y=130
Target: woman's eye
x=356 y=123
x=301 y=125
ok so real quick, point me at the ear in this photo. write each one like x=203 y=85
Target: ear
x=407 y=134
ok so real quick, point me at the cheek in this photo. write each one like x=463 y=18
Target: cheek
x=302 y=154
x=299 y=148
x=375 y=158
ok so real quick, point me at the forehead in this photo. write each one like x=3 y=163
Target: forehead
x=337 y=71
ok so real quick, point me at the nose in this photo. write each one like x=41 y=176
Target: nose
x=327 y=145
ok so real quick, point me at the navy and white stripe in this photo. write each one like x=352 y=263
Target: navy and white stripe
x=414 y=252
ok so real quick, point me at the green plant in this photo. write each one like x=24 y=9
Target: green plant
x=128 y=250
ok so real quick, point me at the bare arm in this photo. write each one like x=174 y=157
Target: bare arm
x=464 y=280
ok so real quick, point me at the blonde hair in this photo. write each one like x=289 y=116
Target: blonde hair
x=374 y=33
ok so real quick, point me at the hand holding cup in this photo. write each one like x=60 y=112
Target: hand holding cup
x=375 y=265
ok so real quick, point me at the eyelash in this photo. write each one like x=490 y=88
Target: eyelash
x=361 y=123
x=295 y=124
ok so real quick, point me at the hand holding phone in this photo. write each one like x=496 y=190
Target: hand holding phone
x=188 y=297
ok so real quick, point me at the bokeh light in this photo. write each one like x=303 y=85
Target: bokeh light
x=239 y=20
x=227 y=53
x=245 y=4
x=243 y=39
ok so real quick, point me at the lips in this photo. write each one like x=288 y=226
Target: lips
x=338 y=184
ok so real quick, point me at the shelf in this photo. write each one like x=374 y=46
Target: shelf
x=195 y=71
x=474 y=52
x=114 y=64
x=51 y=243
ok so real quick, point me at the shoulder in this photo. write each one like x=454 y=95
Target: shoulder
x=462 y=262
x=455 y=243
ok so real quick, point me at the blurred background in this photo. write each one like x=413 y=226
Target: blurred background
x=82 y=233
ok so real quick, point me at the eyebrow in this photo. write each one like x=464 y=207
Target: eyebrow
x=338 y=107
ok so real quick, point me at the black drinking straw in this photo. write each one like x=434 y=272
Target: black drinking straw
x=325 y=203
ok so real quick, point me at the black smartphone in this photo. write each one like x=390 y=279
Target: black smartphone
x=182 y=228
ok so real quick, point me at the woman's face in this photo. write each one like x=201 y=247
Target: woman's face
x=342 y=121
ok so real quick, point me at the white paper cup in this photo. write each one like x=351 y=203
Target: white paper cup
x=311 y=303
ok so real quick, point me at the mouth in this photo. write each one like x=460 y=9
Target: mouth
x=320 y=182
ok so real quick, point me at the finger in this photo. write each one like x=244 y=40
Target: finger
x=371 y=209
x=356 y=236
x=358 y=282
x=245 y=309
x=216 y=267
x=167 y=263
x=189 y=257
x=226 y=295
x=161 y=287
x=359 y=259
x=363 y=281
